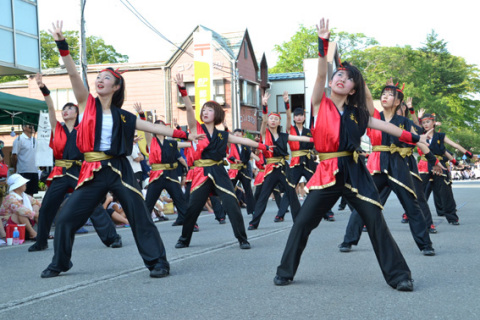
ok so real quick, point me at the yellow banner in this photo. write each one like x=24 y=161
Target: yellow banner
x=202 y=46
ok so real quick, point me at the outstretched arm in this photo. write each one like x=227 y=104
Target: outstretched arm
x=48 y=99
x=81 y=93
x=393 y=130
x=191 y=121
x=166 y=131
x=455 y=145
x=319 y=87
x=292 y=137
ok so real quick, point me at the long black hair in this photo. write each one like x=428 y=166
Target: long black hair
x=119 y=95
x=71 y=104
x=358 y=99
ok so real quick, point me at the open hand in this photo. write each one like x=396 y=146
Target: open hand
x=179 y=80
x=322 y=29
x=56 y=31
x=38 y=78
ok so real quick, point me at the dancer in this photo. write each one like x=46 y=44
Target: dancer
x=105 y=136
x=276 y=169
x=389 y=168
x=64 y=176
x=209 y=174
x=442 y=193
x=340 y=123
x=239 y=157
x=258 y=182
x=163 y=158
x=302 y=163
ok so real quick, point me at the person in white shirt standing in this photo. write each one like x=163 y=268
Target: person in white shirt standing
x=23 y=157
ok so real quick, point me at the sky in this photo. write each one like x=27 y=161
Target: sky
x=268 y=22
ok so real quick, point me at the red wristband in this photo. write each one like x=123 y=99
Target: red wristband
x=311 y=139
x=262 y=147
x=183 y=91
x=454 y=162
x=287 y=105
x=411 y=111
x=142 y=116
x=322 y=47
x=265 y=109
x=408 y=137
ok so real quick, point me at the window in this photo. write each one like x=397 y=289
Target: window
x=219 y=91
x=249 y=93
x=190 y=86
x=62 y=96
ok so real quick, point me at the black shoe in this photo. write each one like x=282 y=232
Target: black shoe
x=432 y=229
x=47 y=273
x=159 y=272
x=340 y=208
x=404 y=218
x=428 y=251
x=251 y=227
x=364 y=229
x=222 y=221
x=175 y=223
x=196 y=228
x=118 y=242
x=37 y=247
x=163 y=218
x=281 y=281
x=278 y=219
x=455 y=223
x=405 y=285
x=330 y=217
x=181 y=244
x=245 y=245
x=345 y=247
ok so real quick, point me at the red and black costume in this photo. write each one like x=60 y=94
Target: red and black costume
x=303 y=164
x=445 y=204
x=102 y=172
x=390 y=171
x=163 y=160
x=239 y=172
x=258 y=182
x=275 y=174
x=62 y=180
x=209 y=176
x=337 y=139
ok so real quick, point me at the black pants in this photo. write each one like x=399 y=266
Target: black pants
x=277 y=176
x=247 y=187
x=443 y=196
x=276 y=195
x=197 y=202
x=389 y=256
x=294 y=175
x=53 y=199
x=32 y=184
x=417 y=224
x=80 y=206
x=217 y=207
x=173 y=188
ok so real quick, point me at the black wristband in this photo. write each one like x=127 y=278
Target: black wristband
x=45 y=91
x=432 y=160
x=415 y=138
x=62 y=44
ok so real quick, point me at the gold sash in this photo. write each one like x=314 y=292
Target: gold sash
x=96 y=156
x=301 y=153
x=330 y=155
x=64 y=163
x=276 y=160
x=207 y=163
x=404 y=152
x=237 y=166
x=440 y=158
x=164 y=166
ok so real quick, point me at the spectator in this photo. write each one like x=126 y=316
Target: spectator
x=135 y=158
x=23 y=158
x=20 y=208
x=114 y=208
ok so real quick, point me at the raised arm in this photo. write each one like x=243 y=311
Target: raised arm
x=412 y=111
x=369 y=99
x=263 y=127
x=81 y=93
x=138 y=108
x=191 y=121
x=288 y=111
x=48 y=99
x=319 y=87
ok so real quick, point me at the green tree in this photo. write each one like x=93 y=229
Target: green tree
x=304 y=45
x=98 y=52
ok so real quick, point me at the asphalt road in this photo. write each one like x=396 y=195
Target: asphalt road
x=214 y=279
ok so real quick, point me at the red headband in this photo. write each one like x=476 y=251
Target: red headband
x=115 y=73
x=400 y=90
x=274 y=114
x=340 y=65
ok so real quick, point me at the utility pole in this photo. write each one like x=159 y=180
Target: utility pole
x=83 y=44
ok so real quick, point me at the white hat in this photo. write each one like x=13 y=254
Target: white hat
x=15 y=181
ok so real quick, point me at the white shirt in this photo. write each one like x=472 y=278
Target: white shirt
x=24 y=147
x=136 y=166
x=106 y=136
